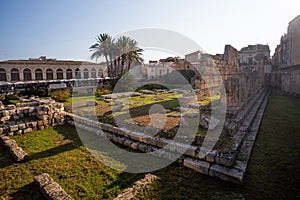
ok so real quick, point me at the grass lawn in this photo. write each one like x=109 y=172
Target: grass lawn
x=273 y=171
x=59 y=152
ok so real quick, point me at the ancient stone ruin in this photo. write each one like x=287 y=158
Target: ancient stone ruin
x=30 y=116
x=50 y=189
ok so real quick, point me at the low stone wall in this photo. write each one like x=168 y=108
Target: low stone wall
x=26 y=117
x=138 y=186
x=17 y=152
x=50 y=189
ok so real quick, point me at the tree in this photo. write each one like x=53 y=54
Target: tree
x=104 y=46
x=119 y=55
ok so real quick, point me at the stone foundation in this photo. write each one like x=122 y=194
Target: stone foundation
x=214 y=163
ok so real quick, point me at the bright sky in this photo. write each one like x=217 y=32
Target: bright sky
x=64 y=29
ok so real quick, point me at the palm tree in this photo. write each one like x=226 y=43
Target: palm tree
x=104 y=46
x=118 y=54
x=128 y=52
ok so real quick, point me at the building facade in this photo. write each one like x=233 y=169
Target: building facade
x=287 y=52
x=252 y=54
x=286 y=60
x=49 y=69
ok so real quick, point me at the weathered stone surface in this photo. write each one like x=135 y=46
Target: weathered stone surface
x=197 y=165
x=91 y=103
x=13 y=128
x=134 y=145
x=27 y=130
x=22 y=126
x=50 y=189
x=227 y=174
x=19 y=132
x=137 y=187
x=11 y=107
x=17 y=152
x=210 y=157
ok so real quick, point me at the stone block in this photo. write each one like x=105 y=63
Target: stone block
x=134 y=145
x=142 y=147
x=27 y=130
x=50 y=189
x=227 y=174
x=40 y=122
x=17 y=152
x=210 y=157
x=19 y=132
x=197 y=165
x=22 y=126
x=13 y=128
x=11 y=107
x=127 y=142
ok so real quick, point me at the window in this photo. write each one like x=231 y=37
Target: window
x=100 y=73
x=85 y=73
x=69 y=74
x=93 y=73
x=38 y=74
x=27 y=74
x=49 y=74
x=2 y=74
x=15 y=76
x=77 y=73
x=59 y=74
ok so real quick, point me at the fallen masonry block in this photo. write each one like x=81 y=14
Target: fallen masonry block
x=17 y=152
x=50 y=189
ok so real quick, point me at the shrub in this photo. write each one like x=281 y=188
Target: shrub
x=60 y=95
x=100 y=92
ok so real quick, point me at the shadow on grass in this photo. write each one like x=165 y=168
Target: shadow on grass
x=29 y=191
x=52 y=152
x=5 y=158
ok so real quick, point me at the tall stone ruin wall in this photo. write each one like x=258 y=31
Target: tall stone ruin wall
x=288 y=80
x=240 y=82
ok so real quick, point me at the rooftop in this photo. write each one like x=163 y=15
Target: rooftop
x=45 y=60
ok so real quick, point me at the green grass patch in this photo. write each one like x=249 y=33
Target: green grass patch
x=58 y=151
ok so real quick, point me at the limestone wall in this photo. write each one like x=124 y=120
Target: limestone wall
x=287 y=79
x=26 y=117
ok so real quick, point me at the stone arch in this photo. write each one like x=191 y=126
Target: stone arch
x=77 y=73
x=59 y=74
x=93 y=73
x=3 y=74
x=38 y=74
x=100 y=73
x=69 y=73
x=15 y=74
x=49 y=74
x=27 y=74
x=85 y=73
